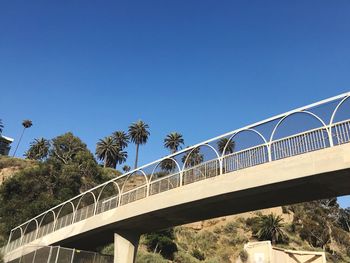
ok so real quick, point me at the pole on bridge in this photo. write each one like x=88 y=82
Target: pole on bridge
x=125 y=247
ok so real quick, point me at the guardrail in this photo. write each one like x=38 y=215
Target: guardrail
x=211 y=158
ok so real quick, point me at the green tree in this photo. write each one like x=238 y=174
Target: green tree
x=271 y=228
x=39 y=149
x=26 y=124
x=121 y=138
x=107 y=150
x=173 y=141
x=225 y=142
x=138 y=133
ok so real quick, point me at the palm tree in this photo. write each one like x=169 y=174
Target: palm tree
x=138 y=133
x=126 y=168
x=173 y=141
x=230 y=145
x=119 y=158
x=107 y=149
x=26 y=124
x=121 y=138
x=1 y=126
x=271 y=228
x=38 y=150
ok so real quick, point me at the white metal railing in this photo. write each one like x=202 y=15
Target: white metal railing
x=201 y=171
x=84 y=212
x=304 y=142
x=342 y=131
x=107 y=204
x=134 y=195
x=271 y=150
x=165 y=183
x=64 y=221
x=245 y=158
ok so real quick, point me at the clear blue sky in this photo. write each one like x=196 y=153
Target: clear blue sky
x=201 y=68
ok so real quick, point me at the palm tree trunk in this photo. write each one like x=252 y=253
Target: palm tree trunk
x=137 y=155
x=19 y=141
x=105 y=162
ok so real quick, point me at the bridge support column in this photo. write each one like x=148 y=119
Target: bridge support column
x=125 y=247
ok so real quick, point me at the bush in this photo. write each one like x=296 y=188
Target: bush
x=243 y=255
x=198 y=254
x=253 y=224
x=162 y=242
x=231 y=228
x=145 y=257
x=182 y=257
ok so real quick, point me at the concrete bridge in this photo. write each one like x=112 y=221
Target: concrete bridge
x=297 y=156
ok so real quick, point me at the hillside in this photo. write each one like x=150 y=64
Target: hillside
x=309 y=226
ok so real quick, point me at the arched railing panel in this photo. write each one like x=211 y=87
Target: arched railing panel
x=298 y=133
x=165 y=176
x=340 y=122
x=85 y=207
x=108 y=197
x=134 y=187
x=15 y=238
x=200 y=163
x=30 y=231
x=46 y=224
x=65 y=215
x=244 y=149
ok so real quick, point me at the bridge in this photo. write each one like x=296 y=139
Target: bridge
x=297 y=156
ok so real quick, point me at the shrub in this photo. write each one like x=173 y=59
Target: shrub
x=162 y=242
x=146 y=257
x=230 y=228
x=243 y=255
x=198 y=254
x=182 y=257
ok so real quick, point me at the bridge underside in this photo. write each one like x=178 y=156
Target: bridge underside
x=311 y=176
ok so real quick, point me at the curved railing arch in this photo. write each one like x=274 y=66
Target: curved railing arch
x=239 y=132
x=336 y=109
x=160 y=163
x=221 y=164
x=294 y=113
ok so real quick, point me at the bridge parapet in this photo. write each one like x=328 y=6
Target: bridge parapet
x=310 y=128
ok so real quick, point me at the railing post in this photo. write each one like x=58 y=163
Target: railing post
x=73 y=254
x=181 y=178
x=49 y=256
x=148 y=189
x=8 y=242
x=329 y=131
x=269 y=151
x=58 y=252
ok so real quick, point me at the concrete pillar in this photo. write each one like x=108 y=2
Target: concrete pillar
x=125 y=247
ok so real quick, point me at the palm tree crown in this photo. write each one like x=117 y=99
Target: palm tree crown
x=173 y=141
x=138 y=133
x=107 y=149
x=225 y=142
x=121 y=138
x=27 y=124
x=271 y=228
